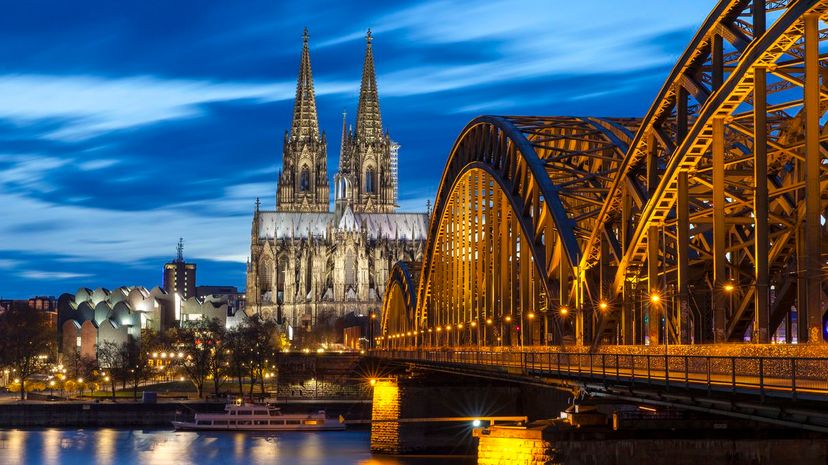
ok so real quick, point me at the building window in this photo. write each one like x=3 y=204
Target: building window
x=370 y=181
x=304 y=180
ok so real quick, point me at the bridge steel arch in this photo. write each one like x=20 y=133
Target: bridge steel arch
x=400 y=303
x=703 y=222
x=731 y=172
x=514 y=205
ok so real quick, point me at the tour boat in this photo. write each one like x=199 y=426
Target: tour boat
x=240 y=416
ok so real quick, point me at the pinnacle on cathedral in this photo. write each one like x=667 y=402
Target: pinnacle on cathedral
x=369 y=122
x=305 y=121
x=303 y=180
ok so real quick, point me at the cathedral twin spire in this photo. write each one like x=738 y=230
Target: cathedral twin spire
x=364 y=159
x=369 y=123
x=305 y=121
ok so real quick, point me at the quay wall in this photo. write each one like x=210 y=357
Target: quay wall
x=138 y=415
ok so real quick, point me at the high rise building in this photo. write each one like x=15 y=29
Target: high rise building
x=180 y=276
x=308 y=264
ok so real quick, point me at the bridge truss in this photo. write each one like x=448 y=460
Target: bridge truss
x=702 y=222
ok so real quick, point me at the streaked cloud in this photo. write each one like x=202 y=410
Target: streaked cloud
x=87 y=106
x=50 y=275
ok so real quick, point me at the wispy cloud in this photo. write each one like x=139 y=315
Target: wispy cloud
x=93 y=165
x=90 y=105
x=8 y=263
x=29 y=171
x=76 y=231
x=48 y=275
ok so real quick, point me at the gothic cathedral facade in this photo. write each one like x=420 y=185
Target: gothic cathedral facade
x=310 y=265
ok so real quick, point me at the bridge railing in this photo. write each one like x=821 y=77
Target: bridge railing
x=789 y=377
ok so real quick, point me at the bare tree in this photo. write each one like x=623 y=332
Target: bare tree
x=110 y=359
x=135 y=359
x=26 y=343
x=219 y=360
x=199 y=342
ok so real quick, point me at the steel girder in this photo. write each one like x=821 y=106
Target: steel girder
x=399 y=304
x=675 y=210
x=548 y=177
x=730 y=113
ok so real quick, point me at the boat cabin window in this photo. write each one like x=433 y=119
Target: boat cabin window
x=292 y=422
x=260 y=422
x=243 y=422
x=203 y=422
x=275 y=413
x=260 y=412
x=277 y=422
x=244 y=412
x=312 y=422
x=220 y=422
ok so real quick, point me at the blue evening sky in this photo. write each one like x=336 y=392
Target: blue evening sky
x=124 y=125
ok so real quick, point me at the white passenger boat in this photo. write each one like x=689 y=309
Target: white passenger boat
x=240 y=416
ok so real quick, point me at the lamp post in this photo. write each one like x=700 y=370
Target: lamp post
x=507 y=320
x=371 y=317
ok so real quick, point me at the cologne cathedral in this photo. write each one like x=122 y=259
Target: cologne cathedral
x=310 y=265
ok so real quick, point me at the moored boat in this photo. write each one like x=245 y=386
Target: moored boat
x=241 y=416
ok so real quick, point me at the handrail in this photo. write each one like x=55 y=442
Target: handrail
x=789 y=377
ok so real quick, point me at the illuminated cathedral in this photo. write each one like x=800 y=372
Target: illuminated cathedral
x=309 y=265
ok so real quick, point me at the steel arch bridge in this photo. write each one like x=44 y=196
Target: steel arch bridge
x=704 y=221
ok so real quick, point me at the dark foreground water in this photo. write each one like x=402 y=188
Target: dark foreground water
x=158 y=447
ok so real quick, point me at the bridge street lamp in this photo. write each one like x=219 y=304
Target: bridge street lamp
x=563 y=314
x=506 y=321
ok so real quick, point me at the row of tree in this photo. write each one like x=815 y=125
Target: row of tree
x=208 y=353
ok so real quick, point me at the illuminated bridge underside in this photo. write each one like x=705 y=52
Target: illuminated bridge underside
x=702 y=222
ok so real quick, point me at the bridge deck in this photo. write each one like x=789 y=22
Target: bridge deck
x=785 y=377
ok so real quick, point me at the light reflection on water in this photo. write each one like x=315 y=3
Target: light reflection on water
x=159 y=447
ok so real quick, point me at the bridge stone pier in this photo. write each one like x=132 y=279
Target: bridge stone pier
x=540 y=444
x=420 y=414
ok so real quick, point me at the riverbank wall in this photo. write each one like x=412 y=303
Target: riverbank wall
x=128 y=414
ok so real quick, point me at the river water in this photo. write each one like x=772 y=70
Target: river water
x=160 y=447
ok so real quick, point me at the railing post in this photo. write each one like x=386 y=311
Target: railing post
x=686 y=372
x=733 y=374
x=649 y=376
x=793 y=378
x=617 y=369
x=667 y=370
x=708 y=375
x=579 y=364
x=762 y=379
x=632 y=369
x=604 y=367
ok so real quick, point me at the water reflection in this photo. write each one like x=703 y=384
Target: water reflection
x=137 y=447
